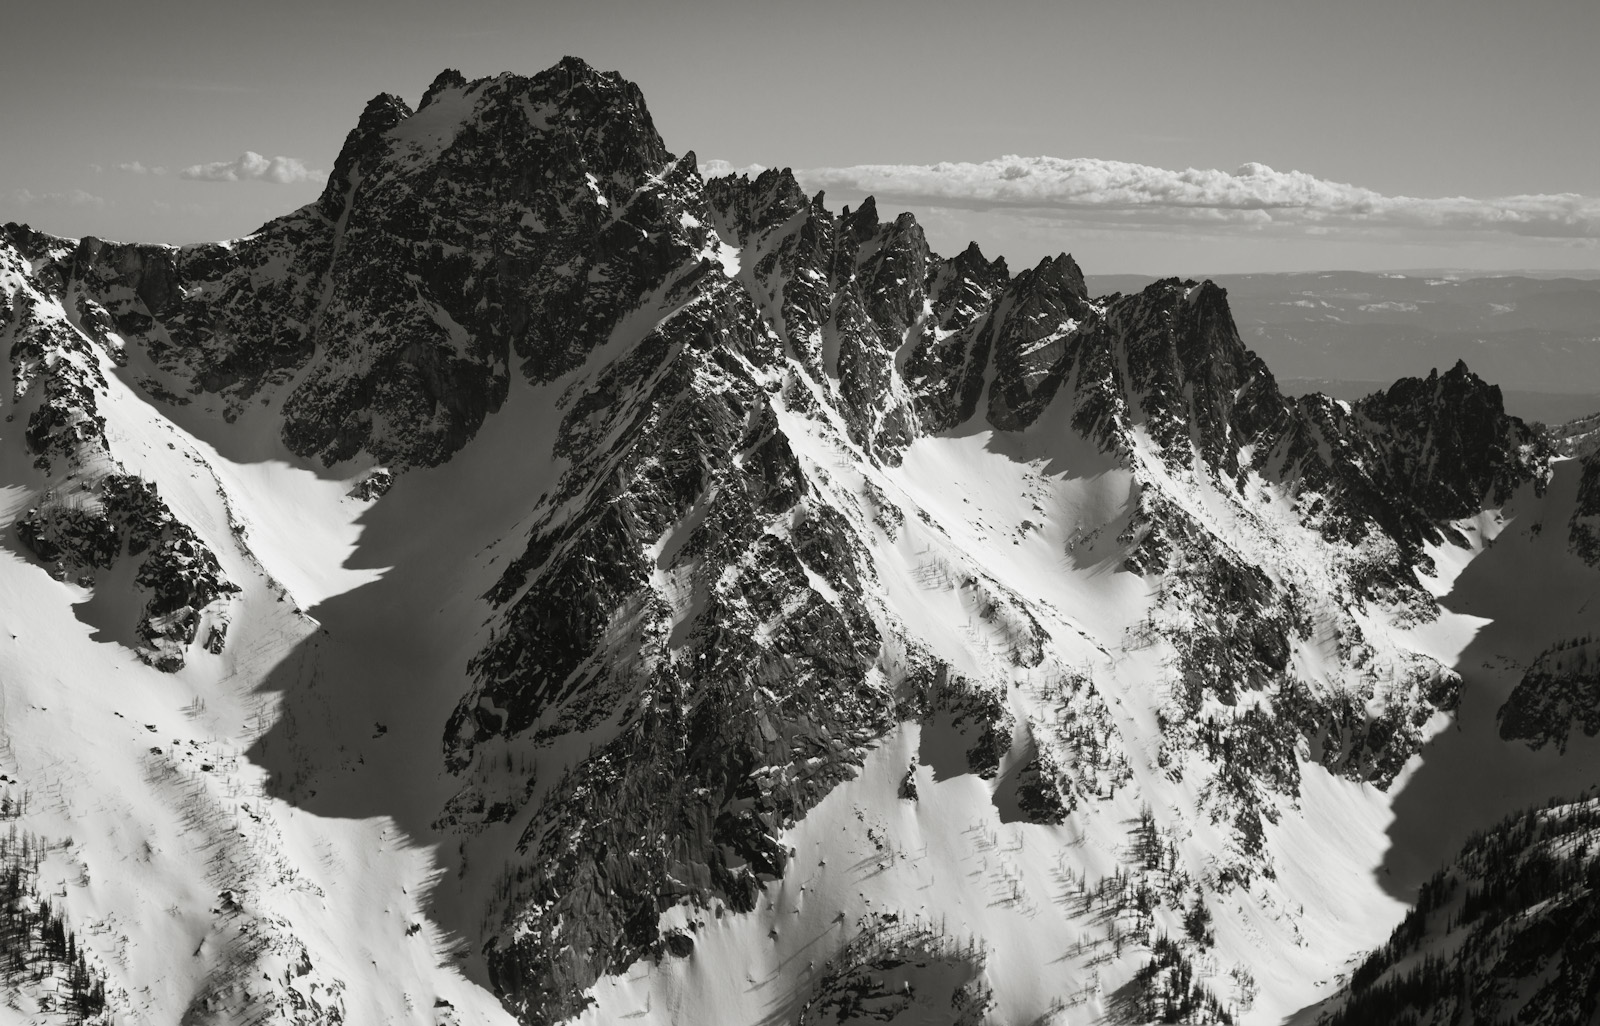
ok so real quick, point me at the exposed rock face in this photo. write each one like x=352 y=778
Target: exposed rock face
x=843 y=294
x=1028 y=332
x=225 y=318
x=1447 y=444
x=1168 y=363
x=1410 y=459
x=1559 y=692
x=945 y=365
x=698 y=548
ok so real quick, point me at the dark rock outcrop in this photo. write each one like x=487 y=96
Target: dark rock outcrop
x=1447 y=445
x=1558 y=693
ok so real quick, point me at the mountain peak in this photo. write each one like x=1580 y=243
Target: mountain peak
x=862 y=222
x=449 y=78
x=382 y=113
x=1451 y=443
x=580 y=84
x=751 y=206
x=1063 y=272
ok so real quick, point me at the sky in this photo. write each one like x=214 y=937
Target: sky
x=1143 y=136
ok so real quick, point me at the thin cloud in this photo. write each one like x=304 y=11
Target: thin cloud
x=70 y=198
x=1253 y=197
x=133 y=167
x=253 y=167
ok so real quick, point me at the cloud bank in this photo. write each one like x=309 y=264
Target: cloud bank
x=1253 y=197
x=253 y=167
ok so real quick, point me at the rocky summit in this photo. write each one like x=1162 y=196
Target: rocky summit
x=535 y=583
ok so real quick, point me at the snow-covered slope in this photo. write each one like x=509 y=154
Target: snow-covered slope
x=534 y=583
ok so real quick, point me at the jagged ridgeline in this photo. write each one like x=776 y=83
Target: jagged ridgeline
x=708 y=626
